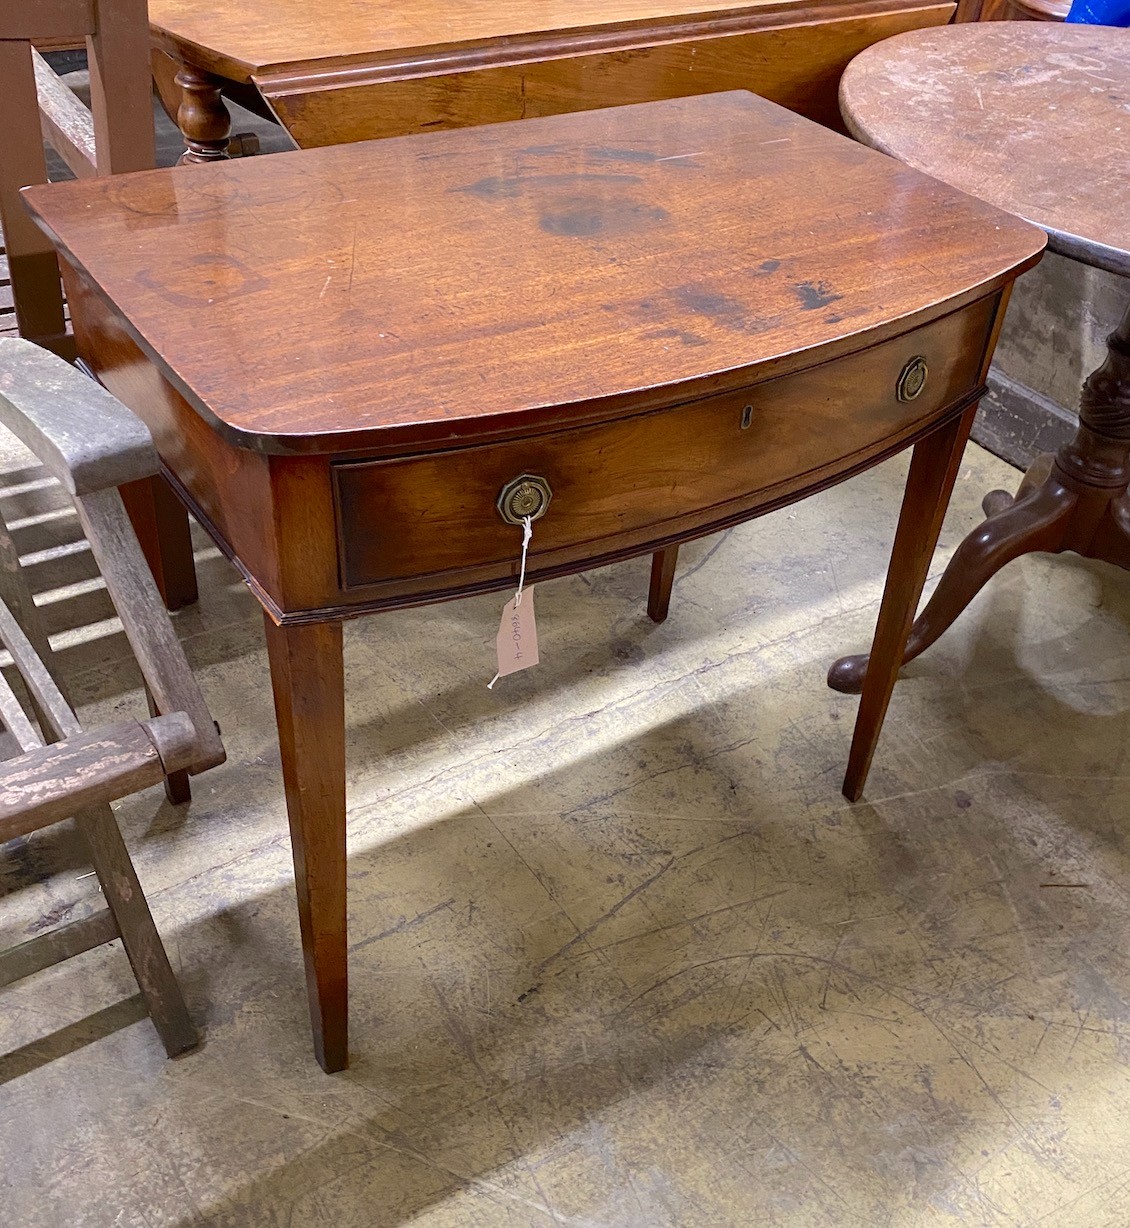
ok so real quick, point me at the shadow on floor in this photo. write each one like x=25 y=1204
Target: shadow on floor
x=524 y=971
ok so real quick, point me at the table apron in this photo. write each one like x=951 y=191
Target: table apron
x=321 y=537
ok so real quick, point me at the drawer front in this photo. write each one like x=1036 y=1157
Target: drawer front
x=655 y=475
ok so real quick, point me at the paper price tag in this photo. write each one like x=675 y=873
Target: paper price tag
x=517 y=640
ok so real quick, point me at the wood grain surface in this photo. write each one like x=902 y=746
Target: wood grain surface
x=793 y=53
x=51 y=783
x=237 y=39
x=651 y=473
x=487 y=298
x=518 y=276
x=1032 y=116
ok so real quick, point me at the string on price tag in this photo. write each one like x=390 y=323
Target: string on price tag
x=517 y=640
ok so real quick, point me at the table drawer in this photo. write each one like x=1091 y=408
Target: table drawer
x=654 y=475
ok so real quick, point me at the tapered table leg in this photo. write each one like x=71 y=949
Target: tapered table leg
x=1076 y=500
x=161 y=524
x=309 y=687
x=933 y=470
x=178 y=787
x=662 y=578
x=1034 y=521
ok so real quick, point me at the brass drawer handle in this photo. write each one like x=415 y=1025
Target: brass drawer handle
x=913 y=379
x=524 y=496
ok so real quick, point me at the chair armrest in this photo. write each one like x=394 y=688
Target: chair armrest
x=51 y=783
x=82 y=434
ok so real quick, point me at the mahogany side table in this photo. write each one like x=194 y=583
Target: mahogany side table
x=636 y=326
x=1035 y=118
x=340 y=70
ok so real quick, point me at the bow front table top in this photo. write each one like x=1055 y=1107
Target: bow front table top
x=358 y=362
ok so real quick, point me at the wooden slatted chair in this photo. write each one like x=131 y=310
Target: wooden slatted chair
x=92 y=445
x=114 y=136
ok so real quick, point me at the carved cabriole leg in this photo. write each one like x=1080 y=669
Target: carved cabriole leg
x=1112 y=539
x=203 y=117
x=933 y=471
x=1076 y=501
x=1035 y=522
x=307 y=676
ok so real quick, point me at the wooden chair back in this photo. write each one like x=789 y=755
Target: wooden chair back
x=114 y=135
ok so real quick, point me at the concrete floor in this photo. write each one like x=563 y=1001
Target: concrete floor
x=621 y=953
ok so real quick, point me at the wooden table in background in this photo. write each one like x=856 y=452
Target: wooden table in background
x=1035 y=118
x=335 y=71
x=676 y=316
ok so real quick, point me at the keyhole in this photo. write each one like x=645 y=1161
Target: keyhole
x=747 y=417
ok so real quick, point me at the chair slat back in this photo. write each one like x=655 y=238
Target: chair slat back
x=113 y=136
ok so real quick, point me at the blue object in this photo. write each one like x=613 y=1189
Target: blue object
x=1100 y=12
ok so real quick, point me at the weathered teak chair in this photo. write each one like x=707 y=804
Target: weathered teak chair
x=92 y=444
x=114 y=136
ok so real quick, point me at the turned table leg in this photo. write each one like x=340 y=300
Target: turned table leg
x=203 y=116
x=933 y=471
x=307 y=676
x=1076 y=500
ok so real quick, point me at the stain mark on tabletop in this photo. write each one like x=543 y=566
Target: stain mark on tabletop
x=726 y=311
x=815 y=294
x=768 y=266
x=623 y=155
x=585 y=217
x=506 y=187
x=208 y=278
x=675 y=334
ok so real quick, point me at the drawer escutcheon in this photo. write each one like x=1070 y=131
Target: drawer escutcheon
x=527 y=495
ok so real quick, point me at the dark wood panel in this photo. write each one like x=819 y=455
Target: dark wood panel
x=48 y=20
x=656 y=473
x=792 y=54
x=229 y=488
x=237 y=39
x=520 y=276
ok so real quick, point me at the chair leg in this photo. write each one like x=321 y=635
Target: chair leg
x=155 y=979
x=933 y=471
x=662 y=578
